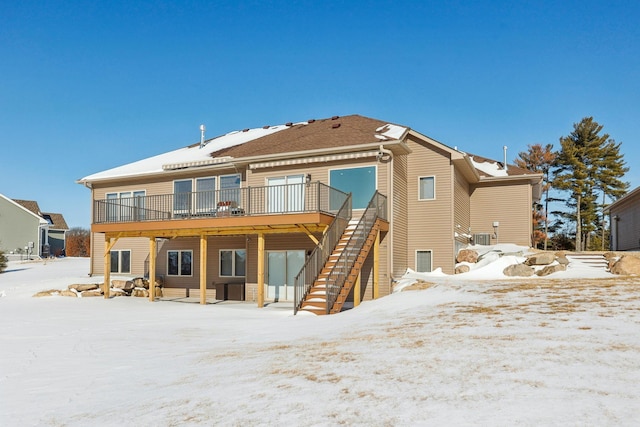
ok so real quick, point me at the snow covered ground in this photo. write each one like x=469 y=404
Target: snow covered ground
x=479 y=349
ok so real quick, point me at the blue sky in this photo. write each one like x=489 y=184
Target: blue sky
x=87 y=86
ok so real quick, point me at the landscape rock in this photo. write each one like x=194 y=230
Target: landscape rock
x=467 y=255
x=550 y=269
x=140 y=292
x=463 y=268
x=69 y=293
x=542 y=258
x=518 y=270
x=92 y=293
x=627 y=265
x=120 y=284
x=562 y=260
x=82 y=288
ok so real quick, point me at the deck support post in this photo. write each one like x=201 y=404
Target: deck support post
x=203 y=269
x=260 y=270
x=376 y=266
x=357 y=290
x=152 y=269
x=107 y=267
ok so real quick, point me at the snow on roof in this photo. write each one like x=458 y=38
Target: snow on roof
x=390 y=131
x=192 y=155
x=489 y=167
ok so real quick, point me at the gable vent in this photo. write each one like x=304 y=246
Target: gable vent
x=288 y=124
x=335 y=125
x=335 y=117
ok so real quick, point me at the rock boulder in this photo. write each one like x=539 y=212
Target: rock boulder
x=467 y=255
x=542 y=258
x=627 y=265
x=519 y=270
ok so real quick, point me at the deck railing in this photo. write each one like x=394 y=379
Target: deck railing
x=247 y=201
x=320 y=254
x=377 y=208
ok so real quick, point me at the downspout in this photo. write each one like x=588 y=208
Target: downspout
x=383 y=150
x=91 y=239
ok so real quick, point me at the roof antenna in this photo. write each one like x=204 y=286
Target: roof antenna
x=202 y=129
x=504 y=148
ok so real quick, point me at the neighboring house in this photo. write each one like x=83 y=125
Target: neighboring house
x=624 y=217
x=27 y=231
x=261 y=211
x=57 y=233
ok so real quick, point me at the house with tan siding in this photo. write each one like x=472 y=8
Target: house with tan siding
x=624 y=217
x=319 y=213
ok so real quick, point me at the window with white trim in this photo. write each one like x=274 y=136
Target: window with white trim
x=179 y=263
x=125 y=205
x=233 y=262
x=423 y=261
x=427 y=188
x=230 y=188
x=120 y=261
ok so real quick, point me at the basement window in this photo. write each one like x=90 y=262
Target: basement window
x=233 y=262
x=179 y=263
x=423 y=261
x=121 y=261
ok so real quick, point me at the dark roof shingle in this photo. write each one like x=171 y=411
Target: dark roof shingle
x=316 y=134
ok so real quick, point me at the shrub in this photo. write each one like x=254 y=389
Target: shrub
x=3 y=262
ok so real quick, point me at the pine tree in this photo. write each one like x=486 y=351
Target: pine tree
x=587 y=163
x=539 y=159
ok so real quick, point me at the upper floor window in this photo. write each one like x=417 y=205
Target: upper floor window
x=359 y=181
x=206 y=195
x=427 y=188
x=125 y=206
x=230 y=189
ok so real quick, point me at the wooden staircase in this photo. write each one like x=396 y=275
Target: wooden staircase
x=316 y=299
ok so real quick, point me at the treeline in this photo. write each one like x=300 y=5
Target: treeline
x=78 y=242
x=583 y=176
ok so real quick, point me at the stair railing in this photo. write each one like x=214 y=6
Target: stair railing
x=377 y=208
x=316 y=261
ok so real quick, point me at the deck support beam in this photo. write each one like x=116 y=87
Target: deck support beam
x=203 y=269
x=309 y=234
x=260 y=270
x=152 y=269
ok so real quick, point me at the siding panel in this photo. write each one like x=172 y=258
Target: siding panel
x=508 y=204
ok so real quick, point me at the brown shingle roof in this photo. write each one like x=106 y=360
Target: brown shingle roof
x=30 y=205
x=317 y=134
x=57 y=220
